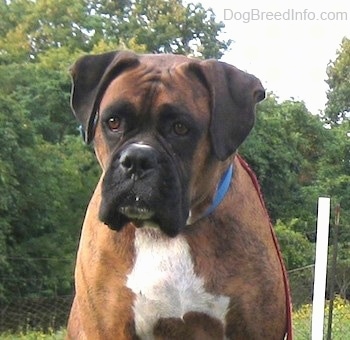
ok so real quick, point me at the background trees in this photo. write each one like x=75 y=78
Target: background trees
x=47 y=174
x=338 y=71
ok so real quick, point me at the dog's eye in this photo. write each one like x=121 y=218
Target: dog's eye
x=180 y=129
x=114 y=123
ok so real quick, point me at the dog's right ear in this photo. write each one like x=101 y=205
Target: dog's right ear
x=91 y=75
x=233 y=96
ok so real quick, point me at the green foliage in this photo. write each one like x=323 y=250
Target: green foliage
x=53 y=183
x=340 y=326
x=333 y=176
x=284 y=149
x=35 y=335
x=297 y=159
x=338 y=71
x=169 y=26
x=296 y=248
x=43 y=93
x=16 y=141
x=30 y=28
x=298 y=255
x=46 y=175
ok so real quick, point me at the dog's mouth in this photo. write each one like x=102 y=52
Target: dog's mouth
x=139 y=213
x=138 y=216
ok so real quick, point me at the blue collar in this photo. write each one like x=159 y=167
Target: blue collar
x=221 y=190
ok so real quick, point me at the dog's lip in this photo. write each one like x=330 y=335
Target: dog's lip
x=136 y=212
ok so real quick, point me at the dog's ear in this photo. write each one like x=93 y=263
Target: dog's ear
x=233 y=95
x=91 y=75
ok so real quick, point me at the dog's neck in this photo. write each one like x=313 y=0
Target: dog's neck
x=220 y=193
x=221 y=190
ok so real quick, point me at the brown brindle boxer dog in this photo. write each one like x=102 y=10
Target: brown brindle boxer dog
x=189 y=252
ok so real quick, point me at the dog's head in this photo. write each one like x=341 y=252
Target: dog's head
x=164 y=128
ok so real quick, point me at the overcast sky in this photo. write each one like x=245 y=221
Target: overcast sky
x=287 y=44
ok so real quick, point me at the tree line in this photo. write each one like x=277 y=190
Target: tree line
x=47 y=174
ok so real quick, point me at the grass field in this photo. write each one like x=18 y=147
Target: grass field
x=34 y=335
x=341 y=321
x=301 y=325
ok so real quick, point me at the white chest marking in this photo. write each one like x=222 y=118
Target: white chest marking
x=165 y=283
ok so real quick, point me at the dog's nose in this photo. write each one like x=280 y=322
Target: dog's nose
x=137 y=160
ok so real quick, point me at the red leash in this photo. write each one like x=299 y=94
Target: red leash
x=289 y=326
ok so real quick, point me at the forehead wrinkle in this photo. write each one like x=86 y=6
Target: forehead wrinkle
x=145 y=74
x=136 y=85
x=183 y=97
x=149 y=98
x=154 y=78
x=140 y=78
x=144 y=84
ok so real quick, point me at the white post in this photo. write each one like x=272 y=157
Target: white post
x=320 y=268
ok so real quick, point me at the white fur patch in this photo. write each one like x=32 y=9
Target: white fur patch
x=165 y=284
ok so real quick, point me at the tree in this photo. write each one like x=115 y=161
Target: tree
x=334 y=174
x=338 y=71
x=298 y=158
x=31 y=27
x=56 y=182
x=297 y=250
x=169 y=26
x=43 y=92
x=47 y=189
x=10 y=144
x=284 y=149
x=298 y=255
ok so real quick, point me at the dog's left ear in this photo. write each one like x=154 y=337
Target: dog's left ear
x=91 y=74
x=234 y=94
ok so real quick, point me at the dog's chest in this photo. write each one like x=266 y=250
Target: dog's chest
x=165 y=284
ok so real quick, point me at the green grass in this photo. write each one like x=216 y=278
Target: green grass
x=341 y=321
x=34 y=335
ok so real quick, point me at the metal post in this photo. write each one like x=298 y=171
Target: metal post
x=320 y=268
x=333 y=272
